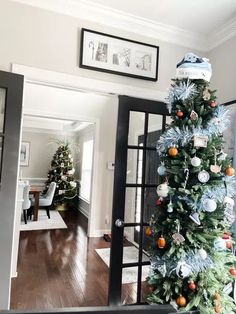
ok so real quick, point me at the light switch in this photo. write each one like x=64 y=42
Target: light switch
x=110 y=165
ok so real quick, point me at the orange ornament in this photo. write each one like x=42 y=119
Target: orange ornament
x=179 y=113
x=232 y=271
x=181 y=301
x=161 y=242
x=229 y=171
x=173 y=151
x=148 y=231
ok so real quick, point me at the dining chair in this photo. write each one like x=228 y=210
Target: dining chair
x=26 y=202
x=46 y=199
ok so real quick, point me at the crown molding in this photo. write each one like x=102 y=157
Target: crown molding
x=117 y=19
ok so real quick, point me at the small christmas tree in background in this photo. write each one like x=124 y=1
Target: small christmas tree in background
x=62 y=172
x=192 y=255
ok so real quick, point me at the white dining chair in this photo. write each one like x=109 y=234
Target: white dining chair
x=46 y=199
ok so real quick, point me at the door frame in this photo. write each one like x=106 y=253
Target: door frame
x=13 y=84
x=126 y=104
x=39 y=76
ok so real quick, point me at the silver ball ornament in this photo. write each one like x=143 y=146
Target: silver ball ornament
x=195 y=161
x=209 y=205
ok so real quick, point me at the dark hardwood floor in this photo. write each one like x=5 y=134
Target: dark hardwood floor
x=60 y=268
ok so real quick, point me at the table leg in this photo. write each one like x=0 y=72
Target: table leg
x=36 y=206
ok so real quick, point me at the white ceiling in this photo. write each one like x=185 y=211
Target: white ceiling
x=197 y=24
x=202 y=16
x=52 y=125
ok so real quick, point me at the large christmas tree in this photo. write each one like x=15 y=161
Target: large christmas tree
x=62 y=172
x=192 y=255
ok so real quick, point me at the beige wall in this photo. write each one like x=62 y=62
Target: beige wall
x=224 y=70
x=47 y=40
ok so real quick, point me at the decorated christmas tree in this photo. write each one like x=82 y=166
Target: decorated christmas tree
x=192 y=254
x=62 y=172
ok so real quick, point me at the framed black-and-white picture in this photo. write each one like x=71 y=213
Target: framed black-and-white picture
x=230 y=132
x=24 y=153
x=108 y=53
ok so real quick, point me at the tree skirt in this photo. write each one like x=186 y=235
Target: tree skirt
x=129 y=274
x=43 y=222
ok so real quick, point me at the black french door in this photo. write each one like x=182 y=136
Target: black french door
x=140 y=123
x=11 y=91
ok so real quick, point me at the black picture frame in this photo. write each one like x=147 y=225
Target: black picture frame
x=121 y=56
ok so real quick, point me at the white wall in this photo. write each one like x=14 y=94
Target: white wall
x=224 y=70
x=51 y=41
x=42 y=148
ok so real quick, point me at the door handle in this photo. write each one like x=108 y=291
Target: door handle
x=119 y=223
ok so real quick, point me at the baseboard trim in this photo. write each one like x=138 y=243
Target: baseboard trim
x=83 y=211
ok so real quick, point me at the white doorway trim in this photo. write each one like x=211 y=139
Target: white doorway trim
x=42 y=77
x=67 y=81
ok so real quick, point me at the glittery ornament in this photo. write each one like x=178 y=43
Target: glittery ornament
x=229 y=216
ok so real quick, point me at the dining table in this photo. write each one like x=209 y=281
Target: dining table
x=35 y=191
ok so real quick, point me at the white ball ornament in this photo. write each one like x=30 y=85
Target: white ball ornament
x=183 y=269
x=202 y=253
x=219 y=244
x=162 y=190
x=209 y=205
x=195 y=161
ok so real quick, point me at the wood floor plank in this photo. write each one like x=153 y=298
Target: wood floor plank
x=60 y=268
